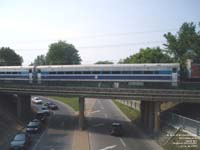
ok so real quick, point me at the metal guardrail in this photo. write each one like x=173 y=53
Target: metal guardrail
x=178 y=121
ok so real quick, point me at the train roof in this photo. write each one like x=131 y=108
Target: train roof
x=112 y=65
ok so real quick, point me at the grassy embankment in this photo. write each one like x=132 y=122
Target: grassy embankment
x=182 y=141
x=131 y=113
x=72 y=102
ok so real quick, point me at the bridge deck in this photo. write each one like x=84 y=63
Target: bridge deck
x=175 y=95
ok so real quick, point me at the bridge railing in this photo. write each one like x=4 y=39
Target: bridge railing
x=178 y=121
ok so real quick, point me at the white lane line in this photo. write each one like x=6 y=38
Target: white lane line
x=123 y=143
x=102 y=107
x=94 y=111
x=106 y=116
x=98 y=125
x=36 y=144
x=109 y=147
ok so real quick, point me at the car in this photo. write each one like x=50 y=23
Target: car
x=36 y=100
x=35 y=120
x=51 y=105
x=116 y=129
x=40 y=115
x=20 y=142
x=45 y=110
x=33 y=127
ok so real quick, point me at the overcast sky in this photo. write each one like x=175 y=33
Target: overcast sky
x=99 y=29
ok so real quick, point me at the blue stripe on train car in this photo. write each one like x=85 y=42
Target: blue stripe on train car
x=165 y=72
x=134 y=77
x=110 y=77
x=12 y=76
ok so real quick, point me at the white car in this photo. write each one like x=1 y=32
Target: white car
x=36 y=100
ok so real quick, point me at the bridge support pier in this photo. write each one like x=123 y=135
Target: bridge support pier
x=150 y=115
x=81 y=113
x=23 y=106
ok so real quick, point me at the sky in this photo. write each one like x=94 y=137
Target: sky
x=99 y=29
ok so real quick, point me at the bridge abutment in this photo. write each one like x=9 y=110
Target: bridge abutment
x=81 y=113
x=23 y=106
x=150 y=115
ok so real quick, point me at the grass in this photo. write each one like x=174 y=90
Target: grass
x=182 y=138
x=131 y=113
x=72 y=102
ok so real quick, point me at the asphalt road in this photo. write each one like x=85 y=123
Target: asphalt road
x=58 y=133
x=103 y=113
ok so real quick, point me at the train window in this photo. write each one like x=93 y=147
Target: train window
x=174 y=70
x=2 y=72
x=116 y=72
x=8 y=72
x=126 y=72
x=30 y=70
x=156 y=72
x=138 y=72
x=77 y=72
x=60 y=72
x=148 y=72
x=52 y=72
x=69 y=72
x=96 y=72
x=39 y=71
x=105 y=72
x=14 y=72
x=86 y=72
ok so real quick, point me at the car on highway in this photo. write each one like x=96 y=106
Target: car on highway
x=33 y=127
x=41 y=116
x=36 y=100
x=45 y=110
x=116 y=129
x=51 y=105
x=20 y=142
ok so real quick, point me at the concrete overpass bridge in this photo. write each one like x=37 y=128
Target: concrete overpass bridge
x=150 y=98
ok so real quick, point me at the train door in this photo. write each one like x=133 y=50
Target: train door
x=30 y=76
x=39 y=76
x=174 y=77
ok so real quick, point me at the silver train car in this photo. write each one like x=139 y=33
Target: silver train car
x=136 y=74
x=16 y=73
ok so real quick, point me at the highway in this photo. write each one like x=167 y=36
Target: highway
x=103 y=113
x=58 y=135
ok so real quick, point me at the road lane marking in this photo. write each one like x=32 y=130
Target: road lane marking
x=98 y=125
x=40 y=138
x=123 y=143
x=109 y=147
x=106 y=116
x=94 y=111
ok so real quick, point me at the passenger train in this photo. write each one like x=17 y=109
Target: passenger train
x=135 y=74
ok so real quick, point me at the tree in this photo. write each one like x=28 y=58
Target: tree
x=8 y=57
x=62 y=53
x=185 y=44
x=40 y=60
x=104 y=62
x=148 y=55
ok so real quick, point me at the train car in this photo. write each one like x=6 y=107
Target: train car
x=16 y=73
x=130 y=73
x=193 y=68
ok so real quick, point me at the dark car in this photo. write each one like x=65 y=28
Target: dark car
x=45 y=110
x=33 y=127
x=51 y=106
x=116 y=129
x=42 y=116
x=20 y=142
